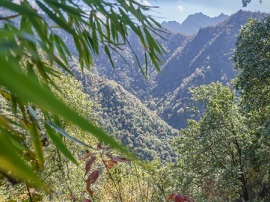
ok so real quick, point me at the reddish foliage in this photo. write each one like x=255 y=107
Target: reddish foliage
x=87 y=155
x=89 y=190
x=72 y=197
x=171 y=197
x=120 y=159
x=110 y=163
x=92 y=178
x=99 y=145
x=86 y=200
x=179 y=198
x=89 y=164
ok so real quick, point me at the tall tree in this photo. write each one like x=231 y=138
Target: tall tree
x=230 y=143
x=211 y=149
x=252 y=58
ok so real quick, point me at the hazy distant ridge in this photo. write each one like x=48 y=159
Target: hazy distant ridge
x=193 y=23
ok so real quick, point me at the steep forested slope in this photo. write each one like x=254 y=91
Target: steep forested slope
x=125 y=117
x=205 y=58
x=126 y=71
x=189 y=61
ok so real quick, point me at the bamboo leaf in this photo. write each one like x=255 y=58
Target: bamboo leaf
x=68 y=9
x=57 y=140
x=12 y=164
x=16 y=81
x=37 y=145
x=63 y=133
x=107 y=51
x=60 y=21
x=33 y=115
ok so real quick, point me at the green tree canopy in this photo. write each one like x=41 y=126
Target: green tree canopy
x=230 y=142
x=252 y=54
x=252 y=58
x=223 y=156
x=211 y=149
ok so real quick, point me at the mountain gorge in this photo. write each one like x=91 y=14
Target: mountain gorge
x=99 y=102
x=127 y=118
x=145 y=112
x=205 y=58
x=189 y=61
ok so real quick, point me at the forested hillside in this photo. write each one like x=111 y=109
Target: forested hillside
x=189 y=61
x=99 y=103
x=125 y=117
x=204 y=59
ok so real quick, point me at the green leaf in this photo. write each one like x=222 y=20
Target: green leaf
x=27 y=89
x=12 y=164
x=33 y=115
x=65 y=134
x=70 y=10
x=57 y=140
x=37 y=145
x=60 y=21
x=107 y=51
x=61 y=48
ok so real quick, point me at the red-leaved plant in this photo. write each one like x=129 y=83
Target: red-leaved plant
x=108 y=160
x=179 y=198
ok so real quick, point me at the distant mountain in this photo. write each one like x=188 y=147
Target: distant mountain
x=143 y=112
x=190 y=61
x=172 y=26
x=193 y=23
x=205 y=58
x=127 y=73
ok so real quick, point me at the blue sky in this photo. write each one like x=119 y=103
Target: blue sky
x=178 y=10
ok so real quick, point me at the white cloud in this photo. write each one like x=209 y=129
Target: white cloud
x=144 y=2
x=180 y=7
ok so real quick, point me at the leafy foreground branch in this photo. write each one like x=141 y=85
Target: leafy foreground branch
x=30 y=48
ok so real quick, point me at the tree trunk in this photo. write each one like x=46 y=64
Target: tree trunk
x=244 y=187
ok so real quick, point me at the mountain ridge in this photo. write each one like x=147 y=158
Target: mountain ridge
x=204 y=59
x=193 y=23
x=190 y=61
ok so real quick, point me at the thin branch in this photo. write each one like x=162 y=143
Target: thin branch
x=111 y=177
x=29 y=194
x=10 y=17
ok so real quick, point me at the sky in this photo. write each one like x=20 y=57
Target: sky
x=178 y=10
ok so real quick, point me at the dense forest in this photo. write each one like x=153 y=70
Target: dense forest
x=98 y=102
